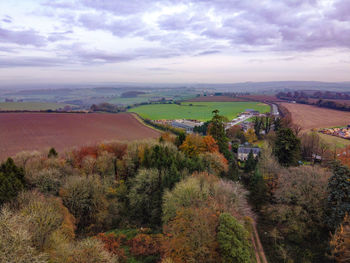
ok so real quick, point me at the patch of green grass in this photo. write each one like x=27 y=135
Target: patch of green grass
x=30 y=106
x=201 y=111
x=334 y=141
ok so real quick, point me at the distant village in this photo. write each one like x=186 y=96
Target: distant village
x=339 y=132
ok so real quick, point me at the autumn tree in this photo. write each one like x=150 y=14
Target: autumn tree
x=85 y=199
x=16 y=239
x=235 y=133
x=193 y=145
x=340 y=241
x=192 y=236
x=250 y=136
x=344 y=156
x=145 y=197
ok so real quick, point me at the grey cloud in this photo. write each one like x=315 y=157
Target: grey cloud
x=24 y=37
x=117 y=26
x=6 y=62
x=208 y=52
x=341 y=10
x=59 y=36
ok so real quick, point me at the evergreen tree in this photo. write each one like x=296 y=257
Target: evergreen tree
x=339 y=196
x=52 y=153
x=217 y=131
x=180 y=139
x=287 y=147
x=11 y=180
x=258 y=190
x=277 y=124
x=258 y=125
x=268 y=123
x=233 y=240
x=250 y=164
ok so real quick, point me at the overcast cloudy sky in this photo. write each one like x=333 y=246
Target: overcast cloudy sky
x=174 y=41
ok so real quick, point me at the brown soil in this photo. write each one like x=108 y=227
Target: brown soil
x=39 y=131
x=312 y=117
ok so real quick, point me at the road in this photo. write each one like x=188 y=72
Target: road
x=275 y=109
x=238 y=120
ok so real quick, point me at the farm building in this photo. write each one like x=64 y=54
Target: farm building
x=243 y=152
x=186 y=124
x=251 y=112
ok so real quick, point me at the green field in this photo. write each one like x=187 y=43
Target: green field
x=333 y=141
x=148 y=96
x=30 y=106
x=198 y=111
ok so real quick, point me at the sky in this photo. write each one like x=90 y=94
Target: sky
x=174 y=41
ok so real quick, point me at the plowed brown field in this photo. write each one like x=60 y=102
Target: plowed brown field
x=39 y=131
x=310 y=117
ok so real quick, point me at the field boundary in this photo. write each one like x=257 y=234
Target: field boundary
x=143 y=122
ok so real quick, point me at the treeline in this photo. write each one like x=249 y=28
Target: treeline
x=107 y=107
x=296 y=95
x=323 y=99
x=169 y=200
x=163 y=127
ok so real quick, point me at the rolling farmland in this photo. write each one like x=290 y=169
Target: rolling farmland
x=312 y=117
x=196 y=110
x=40 y=131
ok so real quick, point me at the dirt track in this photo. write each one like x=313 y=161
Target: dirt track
x=39 y=131
x=312 y=117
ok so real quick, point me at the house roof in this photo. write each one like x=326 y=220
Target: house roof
x=247 y=150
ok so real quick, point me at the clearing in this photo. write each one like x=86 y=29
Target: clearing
x=40 y=131
x=201 y=111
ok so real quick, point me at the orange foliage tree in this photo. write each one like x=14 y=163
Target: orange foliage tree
x=145 y=245
x=340 y=242
x=191 y=236
x=113 y=244
x=195 y=144
x=210 y=144
x=344 y=156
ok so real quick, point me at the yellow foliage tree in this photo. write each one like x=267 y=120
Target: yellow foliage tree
x=250 y=136
x=340 y=242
